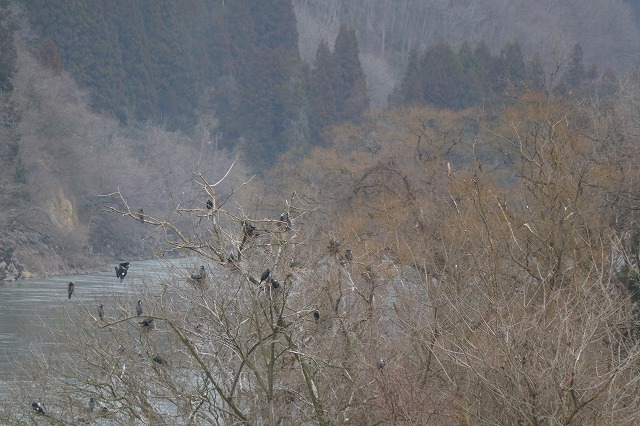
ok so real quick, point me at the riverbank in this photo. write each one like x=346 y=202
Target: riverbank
x=28 y=254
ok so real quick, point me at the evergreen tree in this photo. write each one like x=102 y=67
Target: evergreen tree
x=349 y=87
x=275 y=25
x=535 y=73
x=7 y=48
x=472 y=88
x=573 y=78
x=512 y=69
x=443 y=77
x=410 y=89
x=322 y=97
x=484 y=70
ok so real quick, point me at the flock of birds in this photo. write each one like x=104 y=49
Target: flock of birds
x=200 y=275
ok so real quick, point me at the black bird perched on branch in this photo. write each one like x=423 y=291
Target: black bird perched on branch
x=139 y=307
x=70 y=288
x=101 y=312
x=121 y=270
x=146 y=322
x=348 y=255
x=141 y=214
x=200 y=275
x=209 y=204
x=265 y=275
x=284 y=217
x=38 y=407
x=248 y=229
x=275 y=283
x=316 y=315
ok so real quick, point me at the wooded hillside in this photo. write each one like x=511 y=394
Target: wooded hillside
x=468 y=255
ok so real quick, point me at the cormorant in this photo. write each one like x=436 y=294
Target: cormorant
x=146 y=322
x=348 y=255
x=121 y=270
x=101 y=312
x=275 y=283
x=92 y=404
x=316 y=315
x=141 y=214
x=248 y=229
x=209 y=204
x=159 y=359
x=200 y=275
x=70 y=288
x=265 y=275
x=139 y=308
x=284 y=217
x=38 y=407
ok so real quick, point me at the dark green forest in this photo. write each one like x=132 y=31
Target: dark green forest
x=234 y=70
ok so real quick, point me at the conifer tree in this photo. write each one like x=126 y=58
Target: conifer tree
x=410 y=88
x=322 y=97
x=512 y=70
x=535 y=73
x=443 y=77
x=7 y=49
x=350 y=86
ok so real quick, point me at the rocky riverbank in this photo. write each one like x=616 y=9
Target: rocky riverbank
x=29 y=254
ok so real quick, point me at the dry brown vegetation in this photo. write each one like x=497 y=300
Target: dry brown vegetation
x=485 y=286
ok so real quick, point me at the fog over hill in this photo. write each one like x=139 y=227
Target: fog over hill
x=387 y=30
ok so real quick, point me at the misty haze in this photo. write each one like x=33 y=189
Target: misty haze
x=301 y=212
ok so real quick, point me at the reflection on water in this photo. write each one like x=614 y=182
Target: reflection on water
x=26 y=305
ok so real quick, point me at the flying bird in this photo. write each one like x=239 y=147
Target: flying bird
x=70 y=289
x=209 y=204
x=146 y=322
x=200 y=275
x=139 y=308
x=141 y=214
x=101 y=312
x=121 y=270
x=265 y=275
x=38 y=407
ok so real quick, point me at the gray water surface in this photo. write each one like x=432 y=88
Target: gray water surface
x=27 y=304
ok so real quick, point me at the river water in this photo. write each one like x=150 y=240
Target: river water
x=27 y=304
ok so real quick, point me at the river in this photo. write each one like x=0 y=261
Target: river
x=26 y=305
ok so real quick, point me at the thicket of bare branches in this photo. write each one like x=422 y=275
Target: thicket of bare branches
x=439 y=268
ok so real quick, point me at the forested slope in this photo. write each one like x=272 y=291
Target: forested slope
x=388 y=30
